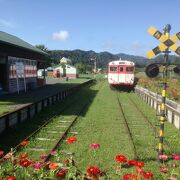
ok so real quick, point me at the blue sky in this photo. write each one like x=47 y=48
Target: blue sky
x=117 y=26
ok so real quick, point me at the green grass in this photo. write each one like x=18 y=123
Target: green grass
x=11 y=102
x=102 y=122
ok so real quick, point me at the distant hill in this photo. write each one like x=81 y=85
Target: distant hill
x=103 y=58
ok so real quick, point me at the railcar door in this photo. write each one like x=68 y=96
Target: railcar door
x=122 y=74
x=113 y=75
x=129 y=75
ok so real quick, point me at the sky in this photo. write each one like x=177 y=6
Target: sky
x=116 y=26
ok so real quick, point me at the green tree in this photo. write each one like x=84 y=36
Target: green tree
x=42 y=47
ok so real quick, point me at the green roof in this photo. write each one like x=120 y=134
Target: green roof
x=17 y=42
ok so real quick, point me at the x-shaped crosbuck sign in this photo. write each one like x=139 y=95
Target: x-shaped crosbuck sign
x=166 y=42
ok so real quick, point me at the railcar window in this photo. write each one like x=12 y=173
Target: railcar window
x=121 y=69
x=129 y=69
x=114 y=69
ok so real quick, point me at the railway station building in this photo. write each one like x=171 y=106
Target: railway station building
x=19 y=62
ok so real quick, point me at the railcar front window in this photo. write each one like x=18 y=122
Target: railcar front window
x=121 y=69
x=113 y=69
x=129 y=69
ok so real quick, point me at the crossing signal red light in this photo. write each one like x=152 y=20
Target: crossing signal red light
x=177 y=69
x=152 y=70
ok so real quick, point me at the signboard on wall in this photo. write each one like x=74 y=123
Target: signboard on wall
x=19 y=69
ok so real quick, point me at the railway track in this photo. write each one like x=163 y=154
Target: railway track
x=152 y=126
x=135 y=121
x=48 y=136
x=127 y=128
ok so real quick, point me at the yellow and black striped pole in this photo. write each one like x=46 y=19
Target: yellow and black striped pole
x=163 y=103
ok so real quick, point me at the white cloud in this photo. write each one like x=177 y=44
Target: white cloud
x=60 y=36
x=6 y=23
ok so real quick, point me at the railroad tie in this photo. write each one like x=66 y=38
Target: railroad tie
x=37 y=149
x=46 y=139
x=73 y=132
x=61 y=126
x=55 y=132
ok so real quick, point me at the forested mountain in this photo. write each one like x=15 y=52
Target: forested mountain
x=102 y=58
x=83 y=59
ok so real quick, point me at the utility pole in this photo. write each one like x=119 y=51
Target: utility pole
x=95 y=66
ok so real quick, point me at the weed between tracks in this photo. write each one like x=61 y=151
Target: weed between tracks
x=102 y=123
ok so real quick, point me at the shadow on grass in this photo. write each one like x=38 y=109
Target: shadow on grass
x=122 y=88
x=35 y=94
x=69 y=106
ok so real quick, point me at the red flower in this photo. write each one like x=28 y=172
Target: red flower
x=15 y=161
x=93 y=171
x=139 y=171
x=130 y=177
x=164 y=169
x=43 y=156
x=163 y=157
x=1 y=153
x=139 y=164
x=25 y=162
x=71 y=139
x=2 y=160
x=176 y=157
x=132 y=162
x=61 y=173
x=148 y=175
x=10 y=178
x=94 y=146
x=24 y=143
x=52 y=166
x=23 y=156
x=7 y=156
x=66 y=162
x=120 y=158
x=174 y=165
x=172 y=178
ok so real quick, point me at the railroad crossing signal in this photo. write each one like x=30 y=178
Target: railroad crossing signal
x=166 y=42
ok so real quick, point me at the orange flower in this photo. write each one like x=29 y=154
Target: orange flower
x=10 y=178
x=23 y=156
x=130 y=177
x=52 y=166
x=71 y=139
x=24 y=143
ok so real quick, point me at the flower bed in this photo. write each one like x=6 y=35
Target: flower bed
x=155 y=85
x=13 y=167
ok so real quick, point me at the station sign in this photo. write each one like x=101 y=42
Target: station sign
x=19 y=69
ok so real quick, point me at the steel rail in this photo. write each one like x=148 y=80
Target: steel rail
x=147 y=120
x=69 y=127
x=13 y=150
x=127 y=128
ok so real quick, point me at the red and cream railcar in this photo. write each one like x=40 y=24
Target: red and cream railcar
x=121 y=73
